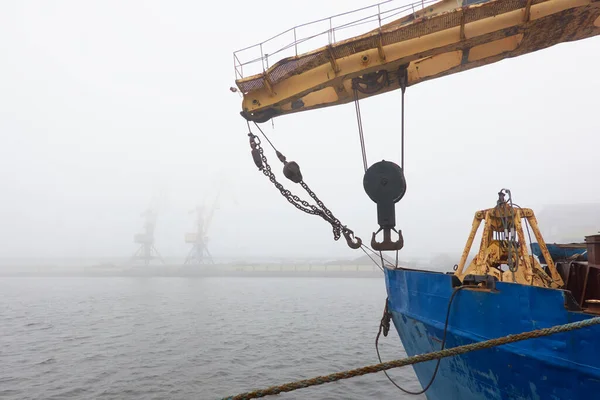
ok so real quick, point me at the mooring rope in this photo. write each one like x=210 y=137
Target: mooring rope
x=319 y=380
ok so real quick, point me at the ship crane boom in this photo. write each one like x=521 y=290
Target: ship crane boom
x=430 y=39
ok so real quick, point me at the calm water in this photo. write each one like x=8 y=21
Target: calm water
x=191 y=338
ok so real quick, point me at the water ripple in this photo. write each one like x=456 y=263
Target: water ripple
x=176 y=338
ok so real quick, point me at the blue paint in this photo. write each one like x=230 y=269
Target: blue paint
x=559 y=252
x=562 y=366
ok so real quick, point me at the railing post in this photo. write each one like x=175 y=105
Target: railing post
x=333 y=33
x=295 y=42
x=237 y=63
x=235 y=66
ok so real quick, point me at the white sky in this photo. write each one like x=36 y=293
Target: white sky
x=104 y=104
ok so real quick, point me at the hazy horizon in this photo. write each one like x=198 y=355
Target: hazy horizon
x=106 y=106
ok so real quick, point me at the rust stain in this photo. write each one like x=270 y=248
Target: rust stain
x=565 y=26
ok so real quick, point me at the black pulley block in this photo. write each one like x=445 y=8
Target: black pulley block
x=384 y=183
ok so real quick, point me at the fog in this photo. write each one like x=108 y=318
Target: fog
x=109 y=107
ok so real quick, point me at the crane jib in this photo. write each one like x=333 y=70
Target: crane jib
x=433 y=39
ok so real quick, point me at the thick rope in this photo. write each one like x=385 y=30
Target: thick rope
x=319 y=380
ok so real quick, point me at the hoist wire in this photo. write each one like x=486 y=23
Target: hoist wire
x=402 y=132
x=385 y=262
x=508 y=234
x=372 y=259
x=360 y=130
x=264 y=135
x=531 y=246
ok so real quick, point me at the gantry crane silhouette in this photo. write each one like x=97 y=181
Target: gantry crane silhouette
x=199 y=253
x=147 y=252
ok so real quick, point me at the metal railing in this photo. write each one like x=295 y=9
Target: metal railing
x=327 y=31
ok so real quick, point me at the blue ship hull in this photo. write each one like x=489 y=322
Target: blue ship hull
x=562 y=366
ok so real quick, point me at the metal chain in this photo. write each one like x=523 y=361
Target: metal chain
x=321 y=210
x=292 y=198
x=338 y=228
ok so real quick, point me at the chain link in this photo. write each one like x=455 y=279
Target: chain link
x=321 y=210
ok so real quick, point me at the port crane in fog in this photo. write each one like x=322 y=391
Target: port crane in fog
x=147 y=251
x=199 y=253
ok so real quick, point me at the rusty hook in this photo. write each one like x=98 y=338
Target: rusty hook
x=387 y=244
x=354 y=242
